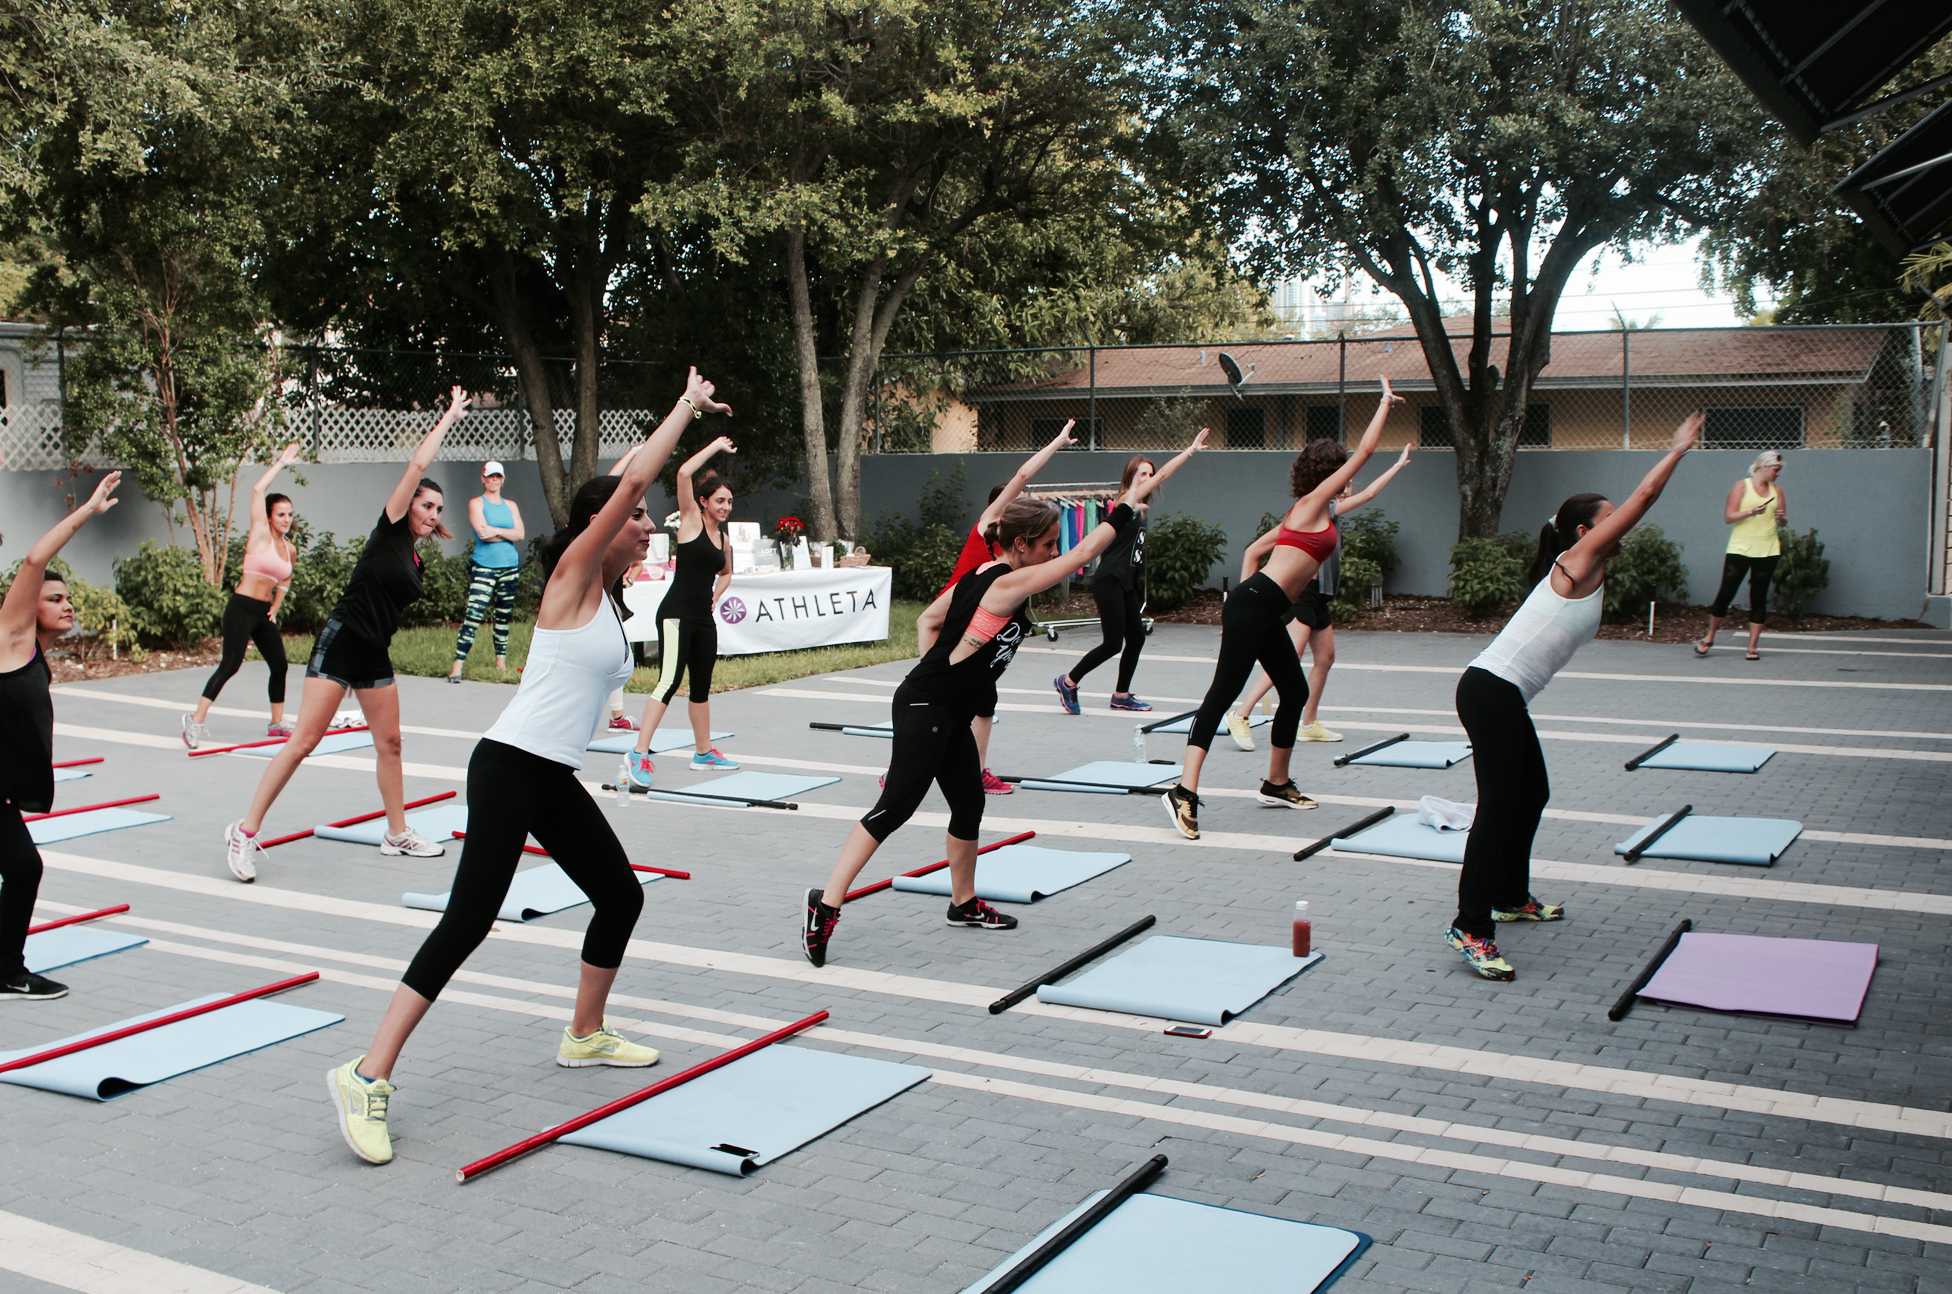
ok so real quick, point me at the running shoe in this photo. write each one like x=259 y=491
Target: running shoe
x=641 y=768
x=454 y=678
x=713 y=762
x=194 y=733
x=1316 y=732
x=360 y=1104
x=1183 y=807
x=1237 y=729
x=1481 y=953
x=282 y=728
x=1287 y=795
x=622 y=723
x=1531 y=910
x=1067 y=695
x=241 y=852
x=980 y=915
x=992 y=784
x=604 y=1047
x=817 y=927
x=882 y=781
x=410 y=843
x=29 y=987
x=1129 y=701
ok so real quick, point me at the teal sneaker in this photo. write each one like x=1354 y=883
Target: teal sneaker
x=1481 y=953
x=641 y=769
x=713 y=762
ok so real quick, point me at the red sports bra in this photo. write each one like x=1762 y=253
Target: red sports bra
x=1318 y=544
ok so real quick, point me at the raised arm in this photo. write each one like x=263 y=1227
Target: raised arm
x=1371 y=434
x=1587 y=557
x=687 y=502
x=260 y=519
x=1020 y=584
x=1354 y=501
x=1031 y=466
x=423 y=456
x=17 y=612
x=617 y=468
x=1179 y=460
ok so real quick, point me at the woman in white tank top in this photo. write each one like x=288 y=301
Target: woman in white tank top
x=1561 y=613
x=522 y=781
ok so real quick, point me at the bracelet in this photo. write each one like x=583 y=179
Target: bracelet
x=686 y=401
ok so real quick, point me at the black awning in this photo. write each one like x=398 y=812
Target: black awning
x=1904 y=194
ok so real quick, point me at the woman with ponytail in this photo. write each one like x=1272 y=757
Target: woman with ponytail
x=1560 y=613
x=522 y=782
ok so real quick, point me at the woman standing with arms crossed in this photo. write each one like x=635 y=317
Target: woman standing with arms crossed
x=350 y=655
x=1755 y=507
x=494 y=567
x=522 y=780
x=687 y=633
x=1115 y=587
x=251 y=615
x=37 y=610
x=1251 y=627
x=1558 y=616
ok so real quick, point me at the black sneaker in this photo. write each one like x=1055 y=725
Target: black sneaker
x=980 y=915
x=29 y=987
x=817 y=927
x=1184 y=808
x=1285 y=795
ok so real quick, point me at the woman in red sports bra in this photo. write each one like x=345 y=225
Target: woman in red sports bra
x=1252 y=629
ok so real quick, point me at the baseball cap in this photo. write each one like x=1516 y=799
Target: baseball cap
x=493 y=468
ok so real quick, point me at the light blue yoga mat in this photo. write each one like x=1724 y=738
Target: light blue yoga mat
x=333 y=743
x=758 y=1108
x=1021 y=873
x=747 y=786
x=71 y=774
x=534 y=893
x=118 y=1068
x=1710 y=757
x=50 y=831
x=1185 y=724
x=618 y=743
x=1757 y=842
x=1202 y=981
x=1154 y=1244
x=1106 y=777
x=1418 y=754
x=71 y=944
x=1402 y=836
x=436 y=822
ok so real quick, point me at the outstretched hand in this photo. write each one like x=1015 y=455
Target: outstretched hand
x=1689 y=431
x=700 y=392
x=723 y=445
x=1403 y=459
x=100 y=502
x=1064 y=439
x=289 y=455
x=457 y=401
x=1199 y=441
x=1390 y=398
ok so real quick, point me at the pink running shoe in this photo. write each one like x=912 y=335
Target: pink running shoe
x=994 y=785
x=622 y=723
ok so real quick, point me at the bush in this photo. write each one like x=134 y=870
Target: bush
x=1803 y=571
x=1359 y=574
x=168 y=599
x=1179 y=551
x=923 y=552
x=1484 y=575
x=101 y=617
x=318 y=578
x=443 y=588
x=1370 y=536
x=1648 y=569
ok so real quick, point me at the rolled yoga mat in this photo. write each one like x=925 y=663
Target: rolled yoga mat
x=1758 y=842
x=1418 y=754
x=71 y=774
x=1803 y=979
x=1106 y=776
x=1402 y=836
x=1201 y=981
x=752 y=1111
x=1709 y=757
x=333 y=743
x=118 y=1068
x=50 y=831
x=619 y=743
x=1021 y=873
x=70 y=944
x=1154 y=1244
x=534 y=893
x=436 y=822
x=1185 y=723
x=746 y=786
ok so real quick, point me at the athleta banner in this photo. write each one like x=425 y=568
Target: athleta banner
x=785 y=610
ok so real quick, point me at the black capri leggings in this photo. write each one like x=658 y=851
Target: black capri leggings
x=1512 y=794
x=933 y=743
x=1760 y=571
x=247 y=621
x=1124 y=628
x=1251 y=629
x=20 y=883
x=512 y=794
x=686 y=648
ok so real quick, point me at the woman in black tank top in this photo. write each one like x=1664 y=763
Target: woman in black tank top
x=968 y=636
x=37 y=610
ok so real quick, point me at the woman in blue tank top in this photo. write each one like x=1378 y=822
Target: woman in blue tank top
x=494 y=568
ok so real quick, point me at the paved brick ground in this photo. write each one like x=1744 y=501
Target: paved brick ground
x=238 y=1168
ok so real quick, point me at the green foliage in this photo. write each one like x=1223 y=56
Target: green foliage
x=923 y=552
x=1179 y=551
x=443 y=587
x=1359 y=575
x=1484 y=575
x=1803 y=571
x=1648 y=569
x=1370 y=536
x=170 y=602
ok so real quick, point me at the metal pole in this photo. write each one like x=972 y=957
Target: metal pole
x=312 y=392
x=1939 y=578
x=1342 y=389
x=1626 y=386
x=1091 y=418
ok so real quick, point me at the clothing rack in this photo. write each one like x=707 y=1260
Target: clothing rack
x=1068 y=492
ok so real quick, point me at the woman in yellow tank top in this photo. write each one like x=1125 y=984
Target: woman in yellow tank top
x=1755 y=507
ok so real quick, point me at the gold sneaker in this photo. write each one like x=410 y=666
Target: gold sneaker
x=603 y=1047
x=1184 y=808
x=1286 y=795
x=1316 y=732
x=360 y=1104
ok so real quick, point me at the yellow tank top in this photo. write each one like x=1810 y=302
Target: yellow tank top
x=1755 y=536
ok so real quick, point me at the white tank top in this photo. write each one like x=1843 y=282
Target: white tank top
x=1541 y=637
x=566 y=685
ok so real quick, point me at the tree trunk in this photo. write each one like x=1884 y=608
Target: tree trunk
x=813 y=417
x=534 y=378
x=586 y=283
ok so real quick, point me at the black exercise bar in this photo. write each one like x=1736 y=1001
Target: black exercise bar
x=1037 y=1258
x=1673 y=821
x=1370 y=750
x=1652 y=751
x=1350 y=830
x=746 y=800
x=1619 y=1009
x=1171 y=718
x=1017 y=995
x=1089 y=786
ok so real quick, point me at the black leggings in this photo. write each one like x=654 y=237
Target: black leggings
x=1760 y=571
x=1512 y=795
x=247 y=621
x=1119 y=620
x=20 y=884
x=1251 y=630
x=512 y=794
x=686 y=648
x=933 y=743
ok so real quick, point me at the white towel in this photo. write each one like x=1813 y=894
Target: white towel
x=1445 y=815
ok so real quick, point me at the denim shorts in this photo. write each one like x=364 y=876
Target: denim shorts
x=348 y=660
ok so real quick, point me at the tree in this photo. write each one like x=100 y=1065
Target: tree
x=1494 y=143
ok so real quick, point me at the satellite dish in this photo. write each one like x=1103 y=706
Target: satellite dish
x=1231 y=367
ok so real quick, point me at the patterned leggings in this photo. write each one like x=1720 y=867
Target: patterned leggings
x=488 y=586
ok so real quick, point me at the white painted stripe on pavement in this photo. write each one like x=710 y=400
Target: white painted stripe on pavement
x=74 y=1261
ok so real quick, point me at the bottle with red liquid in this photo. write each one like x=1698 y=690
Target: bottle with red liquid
x=1304 y=931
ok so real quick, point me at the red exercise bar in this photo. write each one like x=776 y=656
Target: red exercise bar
x=56 y=1053
x=879 y=886
x=540 y=1139
x=635 y=867
x=87 y=808
x=76 y=763
x=68 y=921
x=268 y=741
x=364 y=817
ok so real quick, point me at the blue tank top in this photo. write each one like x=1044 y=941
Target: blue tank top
x=497 y=554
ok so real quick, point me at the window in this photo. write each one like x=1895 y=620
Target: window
x=1537 y=431
x=1433 y=428
x=1089 y=431
x=1322 y=421
x=1762 y=426
x=1246 y=429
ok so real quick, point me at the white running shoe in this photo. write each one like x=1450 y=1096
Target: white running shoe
x=1316 y=732
x=194 y=733
x=241 y=852
x=282 y=728
x=1237 y=729
x=410 y=843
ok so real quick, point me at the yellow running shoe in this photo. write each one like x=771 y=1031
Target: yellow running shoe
x=602 y=1048
x=1316 y=732
x=361 y=1106
x=1238 y=729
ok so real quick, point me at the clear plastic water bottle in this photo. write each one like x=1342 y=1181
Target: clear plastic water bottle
x=1304 y=929
x=1138 y=743
x=623 y=782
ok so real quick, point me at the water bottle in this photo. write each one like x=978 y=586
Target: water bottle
x=1138 y=744
x=623 y=782
x=1304 y=931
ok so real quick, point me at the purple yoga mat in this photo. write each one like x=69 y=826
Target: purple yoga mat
x=1805 y=979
